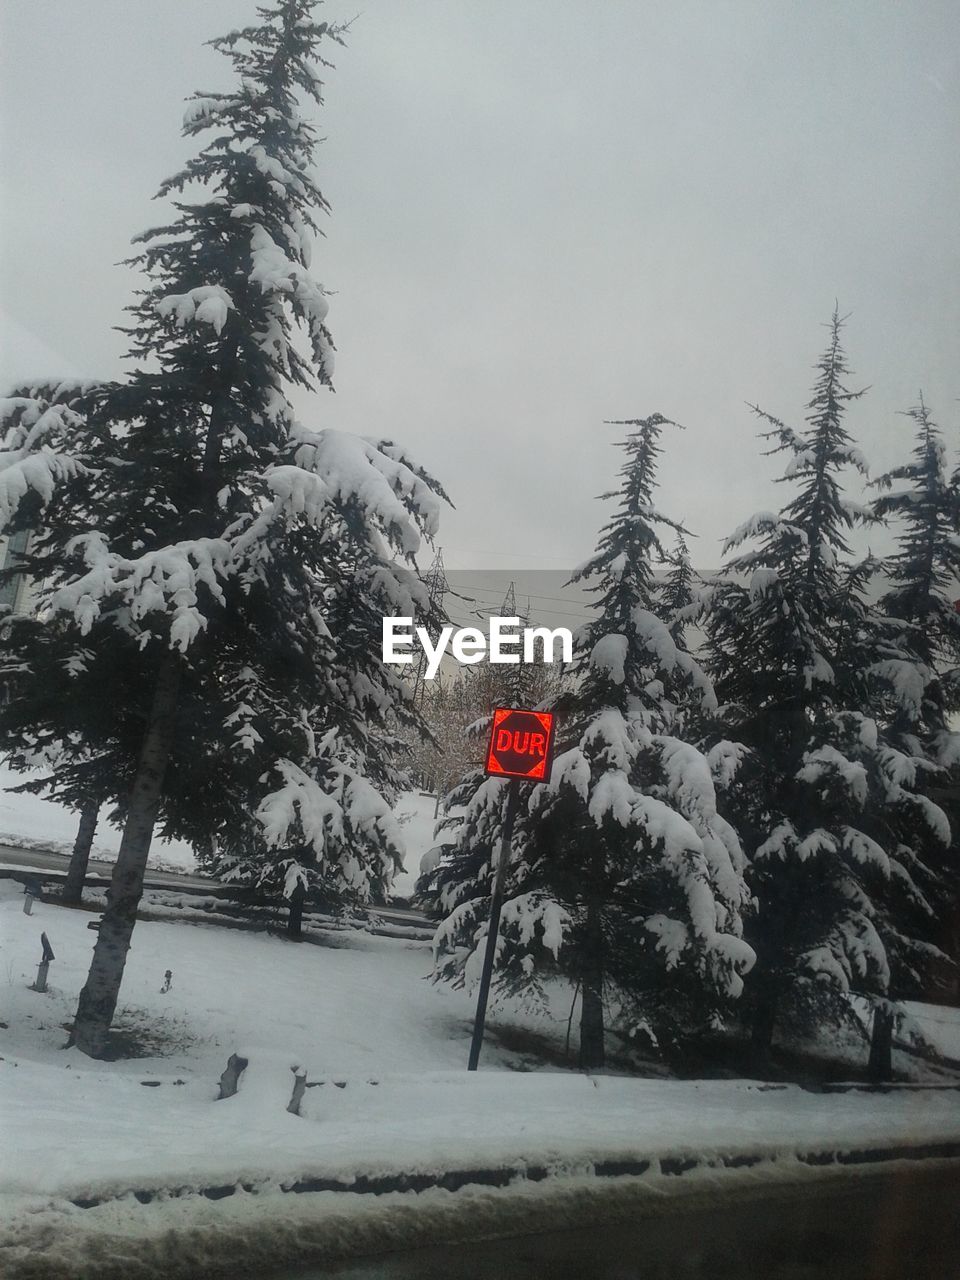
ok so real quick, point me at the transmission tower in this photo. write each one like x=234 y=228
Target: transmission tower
x=515 y=681
x=437 y=588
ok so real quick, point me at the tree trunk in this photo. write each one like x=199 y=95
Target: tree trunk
x=98 y=999
x=591 y=994
x=295 y=917
x=762 y=1024
x=77 y=871
x=880 y=1066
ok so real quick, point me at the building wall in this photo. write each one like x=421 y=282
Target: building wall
x=15 y=592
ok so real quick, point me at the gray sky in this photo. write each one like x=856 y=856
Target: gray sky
x=545 y=213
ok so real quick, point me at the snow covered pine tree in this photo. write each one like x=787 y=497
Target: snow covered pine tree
x=52 y=709
x=624 y=879
x=232 y=530
x=923 y=661
x=800 y=662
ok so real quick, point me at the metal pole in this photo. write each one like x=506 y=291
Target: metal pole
x=496 y=902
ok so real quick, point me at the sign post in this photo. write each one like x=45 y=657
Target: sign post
x=519 y=750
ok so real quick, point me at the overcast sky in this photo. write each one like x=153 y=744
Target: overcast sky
x=545 y=213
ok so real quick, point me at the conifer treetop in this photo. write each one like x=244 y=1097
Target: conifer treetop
x=627 y=645
x=809 y=534
x=925 y=569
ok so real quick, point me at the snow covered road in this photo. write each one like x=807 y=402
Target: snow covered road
x=887 y=1225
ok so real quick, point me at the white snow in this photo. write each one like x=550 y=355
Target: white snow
x=384 y=1051
x=28 y=821
x=414 y=813
x=609 y=655
x=827 y=764
x=760 y=522
x=906 y=681
x=209 y=304
x=30 y=456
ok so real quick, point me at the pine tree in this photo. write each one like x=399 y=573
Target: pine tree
x=623 y=877
x=676 y=597
x=923 y=660
x=799 y=662
x=52 y=709
x=924 y=571
x=223 y=533
x=326 y=835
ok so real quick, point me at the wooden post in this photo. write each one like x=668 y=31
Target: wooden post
x=230 y=1079
x=41 y=982
x=299 y=1089
x=493 y=928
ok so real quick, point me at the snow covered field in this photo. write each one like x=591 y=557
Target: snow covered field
x=391 y=1107
x=32 y=822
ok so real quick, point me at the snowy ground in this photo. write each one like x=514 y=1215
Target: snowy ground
x=384 y=1050
x=415 y=812
x=32 y=822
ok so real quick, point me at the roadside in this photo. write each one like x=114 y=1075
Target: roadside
x=886 y=1225
x=893 y=1223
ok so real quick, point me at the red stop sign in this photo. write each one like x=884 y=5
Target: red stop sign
x=520 y=744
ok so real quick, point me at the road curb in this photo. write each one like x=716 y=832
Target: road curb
x=517 y=1173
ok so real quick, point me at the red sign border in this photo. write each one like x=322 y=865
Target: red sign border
x=548 y=721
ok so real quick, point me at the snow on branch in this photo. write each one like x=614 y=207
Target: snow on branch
x=760 y=522
x=609 y=656
x=725 y=759
x=286 y=280
x=163 y=581
x=827 y=764
x=607 y=741
x=204 y=109
x=614 y=797
x=905 y=680
x=655 y=637
x=865 y=850
x=339 y=816
x=33 y=457
x=534 y=915
x=208 y=304
x=354 y=472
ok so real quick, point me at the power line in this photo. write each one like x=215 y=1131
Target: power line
x=528 y=555
x=531 y=595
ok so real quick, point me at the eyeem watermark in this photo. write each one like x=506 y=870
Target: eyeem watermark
x=468 y=645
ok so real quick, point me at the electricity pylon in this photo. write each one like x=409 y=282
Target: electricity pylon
x=437 y=588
